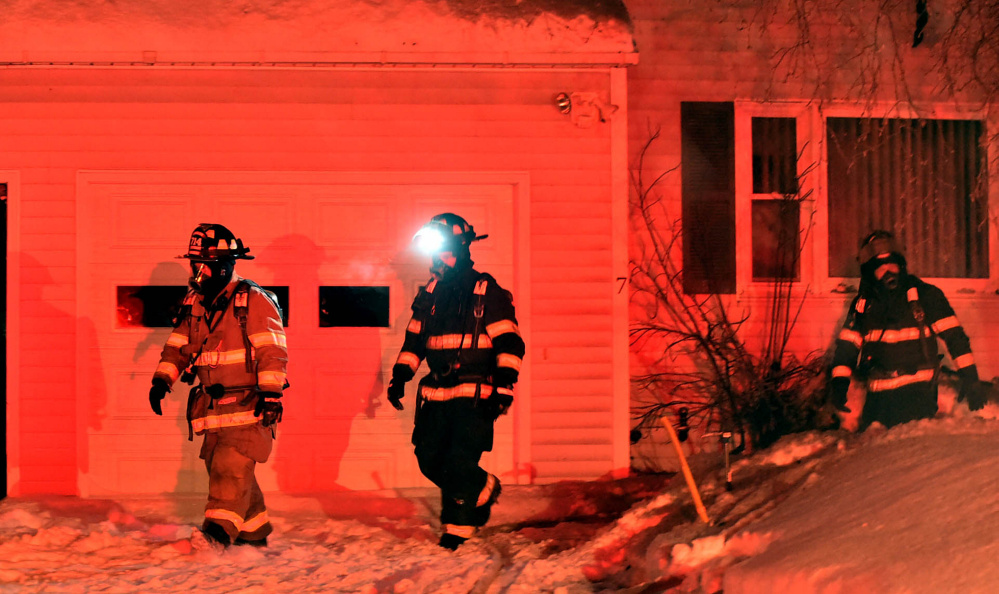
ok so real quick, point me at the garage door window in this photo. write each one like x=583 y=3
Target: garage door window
x=157 y=306
x=346 y=306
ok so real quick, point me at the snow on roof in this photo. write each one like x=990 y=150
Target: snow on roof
x=316 y=31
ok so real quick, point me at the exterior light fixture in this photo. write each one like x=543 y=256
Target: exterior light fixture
x=563 y=102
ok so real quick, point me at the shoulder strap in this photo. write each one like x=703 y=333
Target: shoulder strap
x=920 y=315
x=241 y=309
x=479 y=307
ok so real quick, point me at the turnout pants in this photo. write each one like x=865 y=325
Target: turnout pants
x=235 y=501
x=450 y=437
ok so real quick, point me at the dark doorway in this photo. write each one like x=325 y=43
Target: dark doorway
x=3 y=344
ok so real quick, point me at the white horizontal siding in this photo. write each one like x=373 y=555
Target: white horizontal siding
x=57 y=122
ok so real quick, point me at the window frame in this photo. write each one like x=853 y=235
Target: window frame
x=953 y=287
x=803 y=115
x=814 y=221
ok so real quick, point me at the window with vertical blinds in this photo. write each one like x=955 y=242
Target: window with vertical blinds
x=924 y=180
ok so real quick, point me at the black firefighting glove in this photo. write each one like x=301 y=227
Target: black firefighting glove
x=157 y=393
x=497 y=404
x=838 y=387
x=269 y=408
x=396 y=390
x=972 y=390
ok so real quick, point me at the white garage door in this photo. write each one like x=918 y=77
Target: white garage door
x=307 y=230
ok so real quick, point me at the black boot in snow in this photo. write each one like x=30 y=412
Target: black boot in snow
x=451 y=541
x=253 y=543
x=215 y=533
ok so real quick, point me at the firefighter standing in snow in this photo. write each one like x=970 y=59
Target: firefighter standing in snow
x=229 y=336
x=889 y=340
x=465 y=327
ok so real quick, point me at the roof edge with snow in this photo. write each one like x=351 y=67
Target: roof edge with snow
x=316 y=33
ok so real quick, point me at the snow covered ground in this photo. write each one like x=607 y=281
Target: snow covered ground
x=907 y=510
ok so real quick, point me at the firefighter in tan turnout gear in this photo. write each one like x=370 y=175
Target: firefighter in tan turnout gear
x=229 y=336
x=465 y=327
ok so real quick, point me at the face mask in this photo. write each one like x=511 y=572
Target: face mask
x=209 y=278
x=891 y=280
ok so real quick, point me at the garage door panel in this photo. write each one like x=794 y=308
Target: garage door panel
x=306 y=230
x=131 y=217
x=357 y=221
x=128 y=394
x=345 y=395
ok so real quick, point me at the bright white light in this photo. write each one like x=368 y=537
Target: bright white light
x=429 y=240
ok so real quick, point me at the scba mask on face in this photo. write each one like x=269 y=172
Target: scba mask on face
x=209 y=278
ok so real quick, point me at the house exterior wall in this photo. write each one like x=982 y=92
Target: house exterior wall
x=736 y=52
x=56 y=122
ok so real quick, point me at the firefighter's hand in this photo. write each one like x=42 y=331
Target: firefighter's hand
x=838 y=387
x=396 y=390
x=497 y=404
x=156 y=395
x=975 y=393
x=268 y=408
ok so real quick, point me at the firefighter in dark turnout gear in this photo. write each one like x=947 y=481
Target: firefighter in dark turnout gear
x=229 y=336
x=889 y=341
x=465 y=327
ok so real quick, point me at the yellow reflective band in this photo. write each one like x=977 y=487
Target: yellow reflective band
x=895 y=336
x=508 y=360
x=256 y=522
x=502 y=390
x=409 y=360
x=454 y=341
x=431 y=285
x=893 y=383
x=168 y=369
x=459 y=530
x=225 y=515
x=487 y=491
x=459 y=391
x=851 y=337
x=236 y=419
x=219 y=358
x=271 y=378
x=480 y=287
x=964 y=361
x=912 y=294
x=502 y=327
x=414 y=326
x=841 y=371
x=267 y=339
x=945 y=324
x=176 y=340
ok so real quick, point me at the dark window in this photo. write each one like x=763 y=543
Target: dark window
x=353 y=307
x=157 y=306
x=924 y=180
x=707 y=144
x=150 y=306
x=775 y=156
x=776 y=239
x=776 y=220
